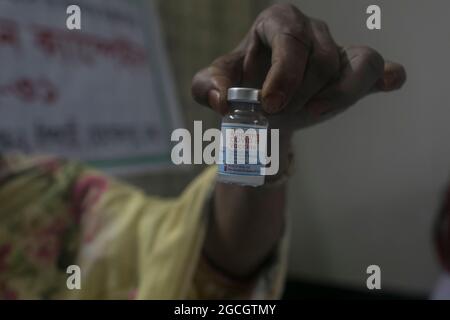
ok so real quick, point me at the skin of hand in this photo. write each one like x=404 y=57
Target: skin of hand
x=306 y=78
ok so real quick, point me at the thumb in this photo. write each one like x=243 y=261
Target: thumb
x=394 y=76
x=210 y=85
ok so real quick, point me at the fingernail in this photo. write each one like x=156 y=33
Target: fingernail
x=214 y=99
x=390 y=80
x=274 y=102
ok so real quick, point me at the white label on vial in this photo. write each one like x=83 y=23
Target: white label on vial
x=240 y=147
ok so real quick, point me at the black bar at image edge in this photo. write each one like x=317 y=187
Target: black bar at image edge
x=245 y=309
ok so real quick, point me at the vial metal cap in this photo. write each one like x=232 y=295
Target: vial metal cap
x=249 y=95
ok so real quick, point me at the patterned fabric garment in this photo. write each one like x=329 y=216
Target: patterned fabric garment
x=55 y=213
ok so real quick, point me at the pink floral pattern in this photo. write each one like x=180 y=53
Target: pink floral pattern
x=5 y=250
x=45 y=227
x=86 y=193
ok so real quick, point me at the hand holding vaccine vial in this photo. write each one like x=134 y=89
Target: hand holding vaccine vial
x=240 y=145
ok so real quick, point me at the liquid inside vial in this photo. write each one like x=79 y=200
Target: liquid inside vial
x=241 y=145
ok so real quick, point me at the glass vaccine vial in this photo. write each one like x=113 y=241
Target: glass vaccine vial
x=240 y=144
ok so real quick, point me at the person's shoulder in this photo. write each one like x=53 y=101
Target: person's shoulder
x=14 y=164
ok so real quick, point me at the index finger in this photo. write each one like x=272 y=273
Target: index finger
x=287 y=32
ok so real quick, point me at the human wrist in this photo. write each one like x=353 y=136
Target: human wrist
x=285 y=156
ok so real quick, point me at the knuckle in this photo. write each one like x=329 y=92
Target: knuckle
x=321 y=25
x=297 y=33
x=288 y=17
x=298 y=30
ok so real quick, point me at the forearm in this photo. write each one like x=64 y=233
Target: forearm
x=247 y=223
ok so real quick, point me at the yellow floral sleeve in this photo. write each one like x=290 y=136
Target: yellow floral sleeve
x=128 y=245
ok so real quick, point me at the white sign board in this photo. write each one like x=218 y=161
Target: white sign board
x=102 y=94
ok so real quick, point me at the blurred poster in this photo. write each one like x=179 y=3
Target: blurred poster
x=102 y=94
